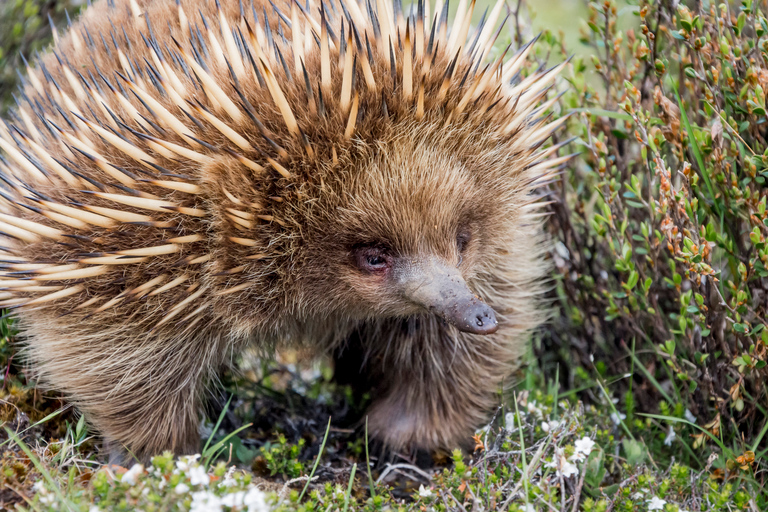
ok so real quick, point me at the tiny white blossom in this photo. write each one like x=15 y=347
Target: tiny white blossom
x=656 y=503
x=39 y=487
x=689 y=416
x=228 y=481
x=94 y=508
x=534 y=408
x=584 y=445
x=181 y=488
x=617 y=419
x=528 y=508
x=425 y=492
x=254 y=500
x=569 y=469
x=637 y=496
x=184 y=463
x=198 y=476
x=670 y=436
x=205 y=501
x=48 y=499
x=577 y=457
x=129 y=477
x=546 y=426
x=233 y=500
x=562 y=465
x=509 y=421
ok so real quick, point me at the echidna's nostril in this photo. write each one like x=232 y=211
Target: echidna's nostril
x=480 y=318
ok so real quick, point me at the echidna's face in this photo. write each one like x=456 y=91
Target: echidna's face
x=406 y=233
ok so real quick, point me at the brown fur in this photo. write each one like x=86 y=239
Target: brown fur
x=137 y=363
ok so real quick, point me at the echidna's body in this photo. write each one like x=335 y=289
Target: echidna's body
x=184 y=180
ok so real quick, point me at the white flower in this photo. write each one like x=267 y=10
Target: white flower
x=228 y=481
x=198 y=476
x=233 y=500
x=670 y=436
x=184 y=463
x=534 y=408
x=617 y=419
x=509 y=421
x=568 y=469
x=48 y=499
x=656 y=503
x=546 y=426
x=528 y=508
x=425 y=492
x=254 y=500
x=129 y=477
x=94 y=508
x=39 y=487
x=205 y=501
x=562 y=465
x=181 y=488
x=584 y=445
x=689 y=416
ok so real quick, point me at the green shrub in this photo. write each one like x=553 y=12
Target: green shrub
x=661 y=224
x=24 y=30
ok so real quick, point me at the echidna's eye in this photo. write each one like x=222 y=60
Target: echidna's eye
x=375 y=261
x=372 y=258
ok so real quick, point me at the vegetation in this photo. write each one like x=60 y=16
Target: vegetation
x=25 y=29
x=646 y=391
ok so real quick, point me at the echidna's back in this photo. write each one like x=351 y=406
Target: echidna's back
x=112 y=154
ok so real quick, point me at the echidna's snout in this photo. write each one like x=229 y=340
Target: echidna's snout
x=441 y=289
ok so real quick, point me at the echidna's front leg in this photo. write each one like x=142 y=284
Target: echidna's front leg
x=438 y=383
x=141 y=390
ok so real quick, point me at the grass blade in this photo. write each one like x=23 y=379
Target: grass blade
x=349 y=487
x=40 y=467
x=209 y=454
x=317 y=460
x=218 y=423
x=368 y=460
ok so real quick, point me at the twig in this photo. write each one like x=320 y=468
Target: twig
x=410 y=467
x=576 y=496
x=455 y=500
x=284 y=489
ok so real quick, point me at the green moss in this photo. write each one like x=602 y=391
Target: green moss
x=24 y=30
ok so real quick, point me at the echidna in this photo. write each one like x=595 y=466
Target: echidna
x=182 y=179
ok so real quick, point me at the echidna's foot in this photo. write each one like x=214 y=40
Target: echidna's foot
x=117 y=454
x=407 y=428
